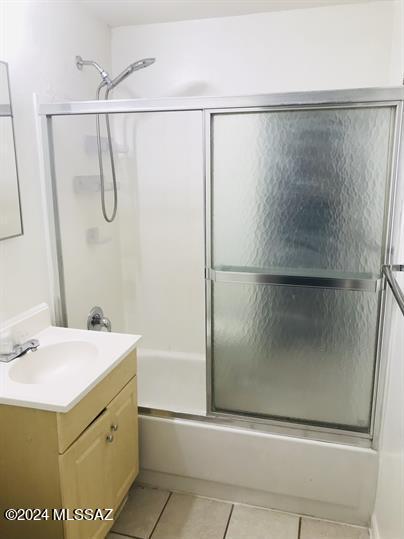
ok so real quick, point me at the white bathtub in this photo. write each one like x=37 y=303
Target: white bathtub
x=322 y=479
x=173 y=381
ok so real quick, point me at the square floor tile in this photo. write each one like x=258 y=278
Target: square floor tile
x=141 y=512
x=189 y=517
x=320 y=529
x=256 y=523
x=113 y=535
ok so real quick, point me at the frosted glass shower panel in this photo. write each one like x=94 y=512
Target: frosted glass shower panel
x=294 y=353
x=300 y=188
x=298 y=227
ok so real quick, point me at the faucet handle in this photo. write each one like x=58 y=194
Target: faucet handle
x=7 y=342
x=106 y=323
x=6 y=346
x=96 y=320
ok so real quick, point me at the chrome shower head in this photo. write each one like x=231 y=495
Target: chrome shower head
x=107 y=84
x=140 y=64
x=106 y=80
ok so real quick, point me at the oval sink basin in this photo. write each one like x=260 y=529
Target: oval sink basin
x=54 y=363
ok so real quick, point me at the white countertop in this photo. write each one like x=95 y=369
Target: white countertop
x=62 y=394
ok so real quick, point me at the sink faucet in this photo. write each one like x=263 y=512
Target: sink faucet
x=19 y=350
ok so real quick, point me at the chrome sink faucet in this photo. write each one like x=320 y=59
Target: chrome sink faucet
x=19 y=350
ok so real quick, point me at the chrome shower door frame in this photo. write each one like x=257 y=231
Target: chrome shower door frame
x=363 y=98
x=209 y=106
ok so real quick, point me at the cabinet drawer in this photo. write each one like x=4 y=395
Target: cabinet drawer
x=73 y=423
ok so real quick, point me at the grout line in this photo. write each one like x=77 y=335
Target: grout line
x=160 y=515
x=123 y=535
x=228 y=521
x=300 y=528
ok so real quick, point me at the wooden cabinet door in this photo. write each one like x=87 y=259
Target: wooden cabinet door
x=98 y=469
x=124 y=463
x=84 y=478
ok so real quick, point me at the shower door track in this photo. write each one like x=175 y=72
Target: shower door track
x=366 y=282
x=177 y=104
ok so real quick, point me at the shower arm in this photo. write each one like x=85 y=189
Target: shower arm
x=388 y=270
x=105 y=77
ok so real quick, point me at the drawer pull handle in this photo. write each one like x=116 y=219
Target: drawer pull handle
x=114 y=427
x=110 y=438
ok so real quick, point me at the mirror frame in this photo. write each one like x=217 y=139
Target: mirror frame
x=11 y=115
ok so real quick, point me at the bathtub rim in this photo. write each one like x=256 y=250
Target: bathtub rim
x=266 y=426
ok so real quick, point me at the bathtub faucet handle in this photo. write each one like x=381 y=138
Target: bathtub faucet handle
x=96 y=321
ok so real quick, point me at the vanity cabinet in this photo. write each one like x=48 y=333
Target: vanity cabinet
x=85 y=458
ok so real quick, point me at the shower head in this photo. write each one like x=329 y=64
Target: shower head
x=106 y=80
x=140 y=64
x=108 y=85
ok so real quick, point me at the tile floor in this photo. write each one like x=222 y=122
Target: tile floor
x=158 y=514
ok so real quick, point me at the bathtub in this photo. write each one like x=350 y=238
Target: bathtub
x=174 y=381
x=182 y=449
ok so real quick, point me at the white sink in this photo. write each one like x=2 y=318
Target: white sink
x=55 y=363
x=67 y=365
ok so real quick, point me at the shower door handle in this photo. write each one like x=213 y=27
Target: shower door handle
x=388 y=270
x=341 y=281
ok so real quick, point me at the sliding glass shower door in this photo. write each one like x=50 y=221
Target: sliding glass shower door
x=297 y=230
x=300 y=191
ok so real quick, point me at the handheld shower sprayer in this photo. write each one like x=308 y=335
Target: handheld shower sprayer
x=110 y=85
x=140 y=64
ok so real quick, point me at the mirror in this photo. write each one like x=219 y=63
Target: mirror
x=10 y=208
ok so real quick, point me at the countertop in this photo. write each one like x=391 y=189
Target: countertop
x=64 y=391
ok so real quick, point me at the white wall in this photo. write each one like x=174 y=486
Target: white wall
x=40 y=41
x=334 y=47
